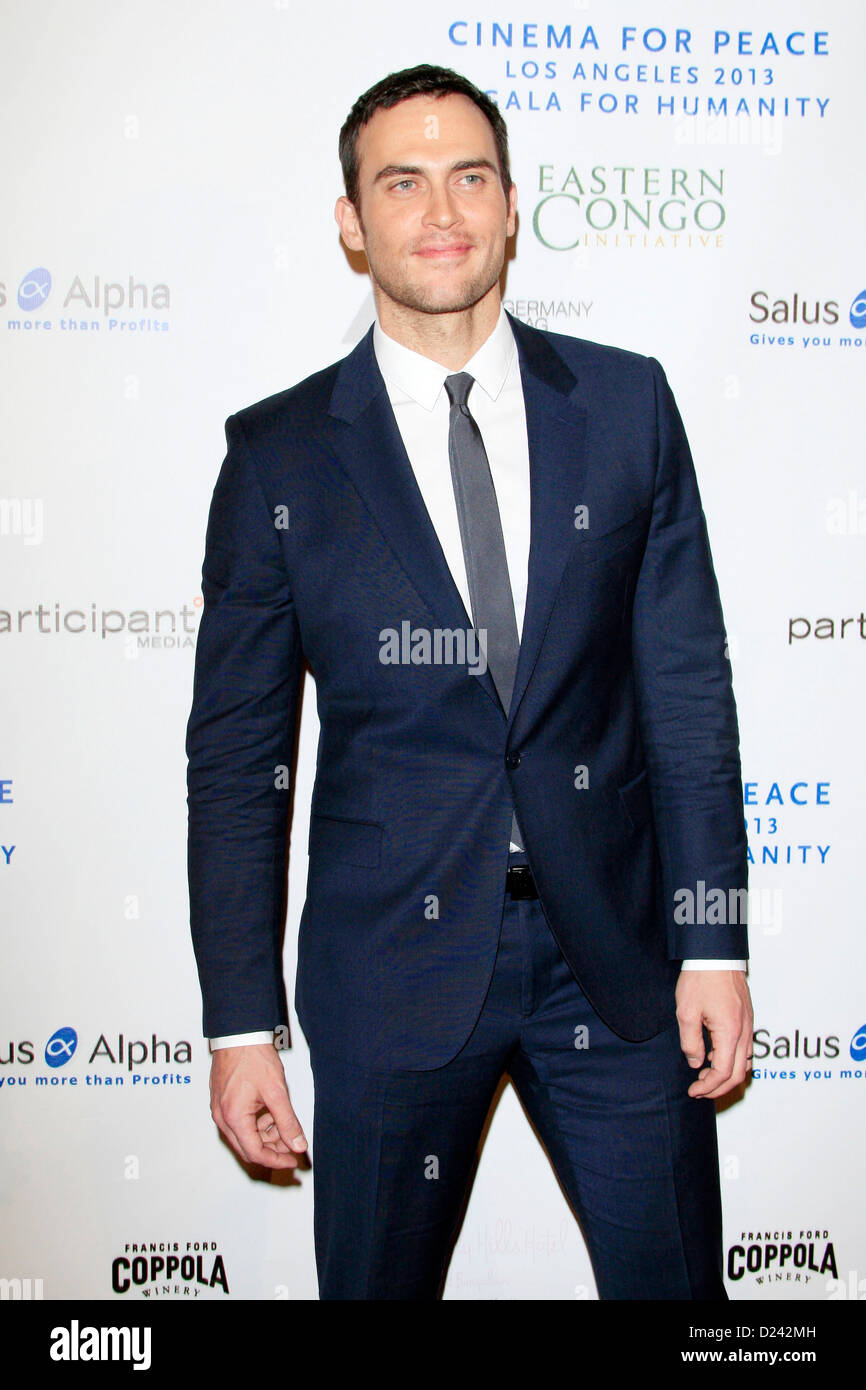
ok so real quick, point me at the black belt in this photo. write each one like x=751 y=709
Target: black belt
x=519 y=882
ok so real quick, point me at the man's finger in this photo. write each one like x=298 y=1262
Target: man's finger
x=288 y=1125
x=743 y=1058
x=713 y=1081
x=730 y=1062
x=244 y=1136
x=270 y=1135
x=692 y=1040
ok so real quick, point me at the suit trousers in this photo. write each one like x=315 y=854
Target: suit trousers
x=394 y=1153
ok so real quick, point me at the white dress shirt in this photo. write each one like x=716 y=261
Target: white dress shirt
x=415 y=386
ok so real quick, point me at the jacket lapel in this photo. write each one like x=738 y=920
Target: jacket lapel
x=556 y=432
x=371 y=452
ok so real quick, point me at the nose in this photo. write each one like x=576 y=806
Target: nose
x=441 y=210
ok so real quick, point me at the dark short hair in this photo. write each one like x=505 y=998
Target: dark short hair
x=423 y=80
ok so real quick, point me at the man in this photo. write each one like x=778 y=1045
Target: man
x=504 y=830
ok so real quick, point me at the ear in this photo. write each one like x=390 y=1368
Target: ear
x=511 y=221
x=350 y=228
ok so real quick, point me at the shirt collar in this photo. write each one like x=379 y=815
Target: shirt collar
x=419 y=378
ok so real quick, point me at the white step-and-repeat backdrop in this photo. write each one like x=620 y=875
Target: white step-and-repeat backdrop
x=690 y=185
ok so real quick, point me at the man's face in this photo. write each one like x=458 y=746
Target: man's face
x=435 y=217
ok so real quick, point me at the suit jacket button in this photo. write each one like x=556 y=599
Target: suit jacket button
x=512 y=759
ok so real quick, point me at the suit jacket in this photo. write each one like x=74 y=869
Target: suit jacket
x=318 y=541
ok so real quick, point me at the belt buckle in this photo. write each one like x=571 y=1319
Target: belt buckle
x=520 y=883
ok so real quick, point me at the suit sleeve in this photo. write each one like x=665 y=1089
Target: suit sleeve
x=240 y=745
x=687 y=711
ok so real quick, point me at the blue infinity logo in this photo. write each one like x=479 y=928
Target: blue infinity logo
x=857 y=312
x=34 y=289
x=60 y=1047
x=858 y=1044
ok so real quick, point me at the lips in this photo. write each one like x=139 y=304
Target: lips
x=457 y=248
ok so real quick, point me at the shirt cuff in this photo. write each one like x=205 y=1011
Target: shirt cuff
x=714 y=965
x=241 y=1040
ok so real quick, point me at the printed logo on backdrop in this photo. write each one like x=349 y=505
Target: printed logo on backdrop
x=788 y=822
x=105 y=1062
x=134 y=629
x=7 y=848
x=842 y=516
x=546 y=311
x=34 y=289
x=85 y=305
x=806 y=322
x=169 y=1269
x=611 y=69
x=763 y=1260
x=809 y=1057
x=629 y=207
x=60 y=1047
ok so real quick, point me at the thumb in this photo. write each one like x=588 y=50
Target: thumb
x=287 y=1123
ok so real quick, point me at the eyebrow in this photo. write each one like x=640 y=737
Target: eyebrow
x=391 y=170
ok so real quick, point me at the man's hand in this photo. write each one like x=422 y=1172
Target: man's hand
x=249 y=1101
x=720 y=1000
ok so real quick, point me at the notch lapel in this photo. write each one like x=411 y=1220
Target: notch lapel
x=371 y=452
x=556 y=433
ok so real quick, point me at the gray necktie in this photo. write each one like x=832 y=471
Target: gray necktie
x=483 y=546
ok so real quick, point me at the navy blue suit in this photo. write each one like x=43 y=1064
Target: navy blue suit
x=622 y=671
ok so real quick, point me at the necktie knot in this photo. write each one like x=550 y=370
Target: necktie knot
x=458 y=387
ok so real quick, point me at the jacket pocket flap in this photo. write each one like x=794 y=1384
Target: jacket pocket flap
x=352 y=841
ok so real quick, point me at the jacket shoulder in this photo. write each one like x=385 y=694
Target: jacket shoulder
x=301 y=405
x=583 y=355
